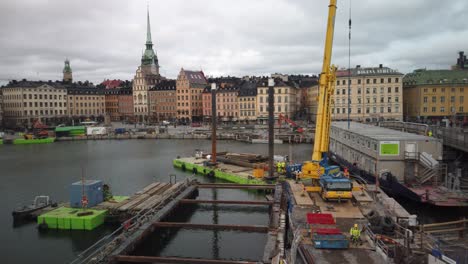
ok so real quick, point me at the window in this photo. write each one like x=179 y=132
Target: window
x=389 y=109
x=338 y=82
x=397 y=80
x=389 y=99
x=396 y=99
x=359 y=90
x=442 y=99
x=381 y=80
x=359 y=81
x=381 y=109
x=396 y=89
x=374 y=109
x=433 y=109
x=367 y=90
x=389 y=80
x=359 y=101
x=344 y=110
x=425 y=99
x=359 y=110
x=425 y=109
x=382 y=99
x=452 y=90
x=442 y=109
x=368 y=81
x=461 y=99
x=337 y=91
x=381 y=90
x=279 y=99
x=389 y=89
x=374 y=90
x=434 y=99
x=374 y=81
x=443 y=90
x=367 y=110
x=337 y=110
x=434 y=90
x=460 y=109
x=368 y=100
x=425 y=90
x=452 y=99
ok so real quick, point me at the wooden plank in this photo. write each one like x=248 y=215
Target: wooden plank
x=147 y=188
x=446 y=223
x=444 y=230
x=155 y=199
x=246 y=228
x=163 y=188
x=193 y=201
x=140 y=198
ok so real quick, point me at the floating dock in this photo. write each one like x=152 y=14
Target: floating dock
x=70 y=219
x=119 y=247
x=229 y=172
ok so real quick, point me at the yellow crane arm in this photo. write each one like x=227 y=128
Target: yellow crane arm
x=326 y=89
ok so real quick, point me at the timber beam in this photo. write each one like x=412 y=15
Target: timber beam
x=193 y=201
x=246 y=228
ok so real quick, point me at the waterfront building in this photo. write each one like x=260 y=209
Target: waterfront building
x=146 y=76
x=284 y=97
x=67 y=72
x=376 y=94
x=86 y=102
x=163 y=105
x=312 y=102
x=111 y=97
x=26 y=101
x=432 y=95
x=227 y=103
x=125 y=104
x=189 y=89
x=248 y=101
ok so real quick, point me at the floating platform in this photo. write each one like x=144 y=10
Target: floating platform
x=22 y=141
x=69 y=219
x=229 y=172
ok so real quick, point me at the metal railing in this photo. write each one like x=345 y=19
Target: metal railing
x=102 y=248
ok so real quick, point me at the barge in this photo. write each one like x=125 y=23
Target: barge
x=402 y=164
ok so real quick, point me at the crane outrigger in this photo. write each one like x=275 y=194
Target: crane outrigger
x=328 y=180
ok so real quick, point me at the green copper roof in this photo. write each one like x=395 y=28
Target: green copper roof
x=67 y=67
x=148 y=30
x=422 y=76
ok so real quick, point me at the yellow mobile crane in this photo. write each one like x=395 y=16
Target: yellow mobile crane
x=328 y=180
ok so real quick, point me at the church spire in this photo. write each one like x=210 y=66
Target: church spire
x=148 y=30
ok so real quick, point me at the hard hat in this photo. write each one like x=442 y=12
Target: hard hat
x=355 y=225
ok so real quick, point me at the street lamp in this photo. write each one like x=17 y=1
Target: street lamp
x=213 y=123
x=271 y=123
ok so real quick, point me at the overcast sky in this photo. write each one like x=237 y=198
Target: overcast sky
x=104 y=39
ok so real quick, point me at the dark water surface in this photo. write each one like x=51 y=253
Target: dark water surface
x=128 y=166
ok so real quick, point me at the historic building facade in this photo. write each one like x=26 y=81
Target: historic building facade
x=27 y=101
x=146 y=76
x=284 y=99
x=189 y=88
x=86 y=102
x=163 y=105
x=431 y=95
x=376 y=93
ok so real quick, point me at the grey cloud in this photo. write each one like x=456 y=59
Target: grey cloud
x=104 y=39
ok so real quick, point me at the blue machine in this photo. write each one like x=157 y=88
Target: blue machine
x=92 y=189
x=291 y=168
x=335 y=241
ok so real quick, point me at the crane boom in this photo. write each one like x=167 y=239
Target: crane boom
x=326 y=89
x=315 y=168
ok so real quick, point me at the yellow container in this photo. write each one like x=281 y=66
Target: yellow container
x=258 y=172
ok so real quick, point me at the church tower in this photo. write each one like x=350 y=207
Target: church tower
x=149 y=60
x=67 y=72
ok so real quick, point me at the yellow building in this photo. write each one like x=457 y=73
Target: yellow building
x=284 y=99
x=26 y=101
x=86 y=102
x=435 y=94
x=375 y=94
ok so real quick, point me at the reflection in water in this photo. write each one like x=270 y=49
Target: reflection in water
x=215 y=222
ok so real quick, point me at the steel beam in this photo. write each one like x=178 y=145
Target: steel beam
x=193 y=201
x=246 y=228
x=151 y=259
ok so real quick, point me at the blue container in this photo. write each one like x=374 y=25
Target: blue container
x=120 y=131
x=92 y=189
x=292 y=168
x=330 y=241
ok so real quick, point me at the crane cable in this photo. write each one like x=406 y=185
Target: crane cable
x=349 y=65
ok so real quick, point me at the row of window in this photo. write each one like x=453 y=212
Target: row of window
x=396 y=109
x=442 y=99
x=86 y=112
x=368 y=100
x=442 y=89
x=368 y=90
x=276 y=91
x=278 y=108
x=279 y=98
x=442 y=109
x=368 y=81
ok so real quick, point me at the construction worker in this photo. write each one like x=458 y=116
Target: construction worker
x=429 y=133
x=355 y=233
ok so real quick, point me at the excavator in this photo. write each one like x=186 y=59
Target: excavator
x=293 y=124
x=328 y=180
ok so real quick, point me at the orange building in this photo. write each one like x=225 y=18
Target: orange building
x=189 y=88
x=163 y=105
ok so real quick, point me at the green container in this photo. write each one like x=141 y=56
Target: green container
x=68 y=219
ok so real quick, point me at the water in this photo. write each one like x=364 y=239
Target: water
x=128 y=166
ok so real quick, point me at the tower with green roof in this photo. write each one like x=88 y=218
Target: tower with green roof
x=67 y=72
x=149 y=59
